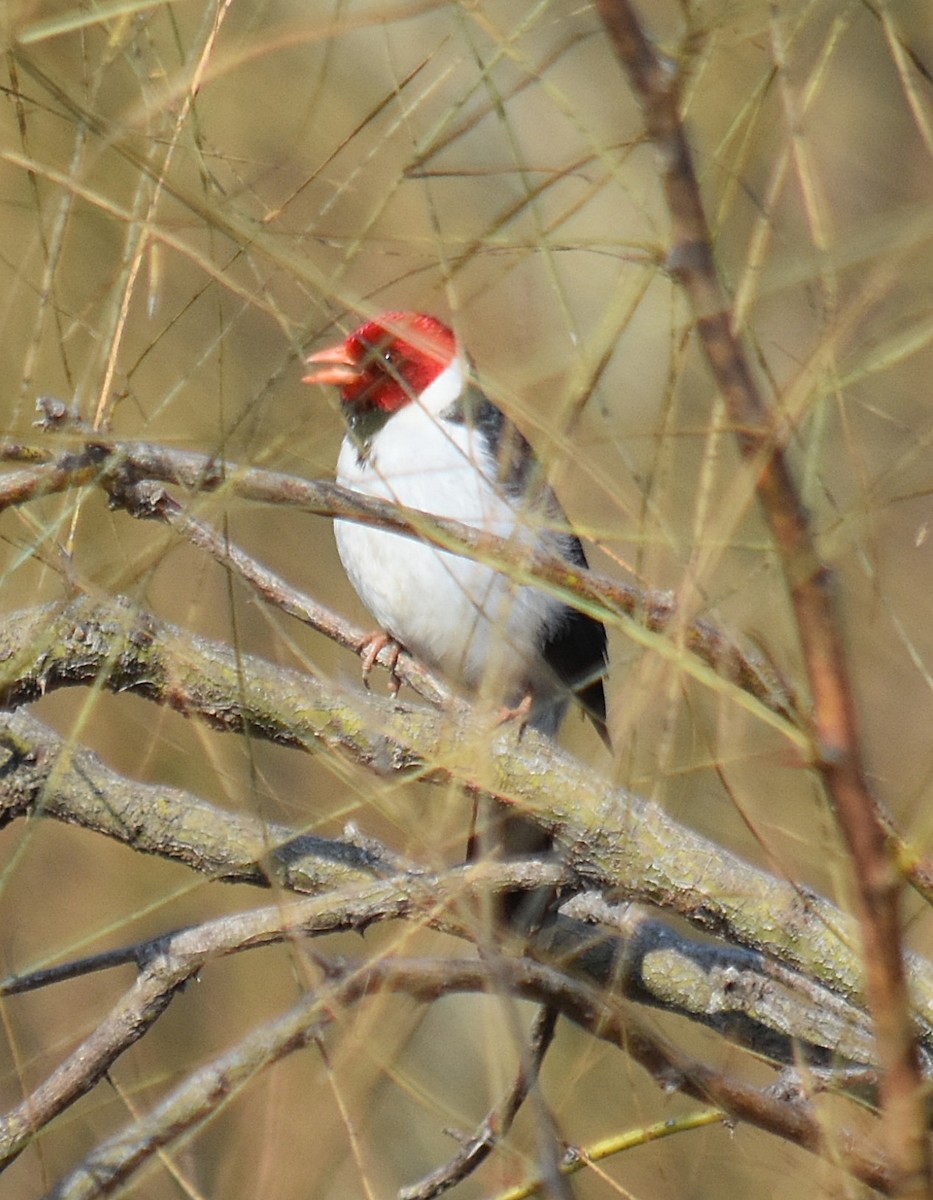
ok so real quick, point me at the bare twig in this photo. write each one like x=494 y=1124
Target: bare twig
x=150 y=499
x=836 y=746
x=645 y=615
x=167 y=962
x=476 y=1147
x=194 y=1101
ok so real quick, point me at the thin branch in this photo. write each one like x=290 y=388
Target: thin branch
x=442 y=901
x=701 y=649
x=836 y=746
x=169 y=961
x=475 y=1148
x=738 y=993
x=148 y=499
x=186 y=1109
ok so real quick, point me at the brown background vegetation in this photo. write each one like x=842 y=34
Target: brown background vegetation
x=166 y=255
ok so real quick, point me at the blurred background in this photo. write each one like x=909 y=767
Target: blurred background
x=192 y=196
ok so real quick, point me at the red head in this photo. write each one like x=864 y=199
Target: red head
x=387 y=362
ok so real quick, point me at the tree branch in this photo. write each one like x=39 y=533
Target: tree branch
x=836 y=748
x=701 y=648
x=608 y=838
x=43 y=775
x=194 y=1101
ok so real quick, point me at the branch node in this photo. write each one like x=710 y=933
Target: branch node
x=54 y=414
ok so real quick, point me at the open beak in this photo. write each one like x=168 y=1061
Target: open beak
x=336 y=366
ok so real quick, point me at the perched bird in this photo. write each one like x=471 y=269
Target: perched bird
x=420 y=434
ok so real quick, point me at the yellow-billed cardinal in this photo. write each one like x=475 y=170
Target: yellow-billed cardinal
x=421 y=435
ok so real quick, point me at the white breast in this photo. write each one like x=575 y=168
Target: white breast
x=467 y=621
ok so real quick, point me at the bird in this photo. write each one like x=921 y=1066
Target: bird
x=421 y=433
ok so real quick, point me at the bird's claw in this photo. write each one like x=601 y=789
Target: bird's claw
x=371 y=649
x=520 y=713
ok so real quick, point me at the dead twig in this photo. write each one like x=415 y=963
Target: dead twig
x=833 y=727
x=476 y=1147
x=186 y=1108
x=645 y=615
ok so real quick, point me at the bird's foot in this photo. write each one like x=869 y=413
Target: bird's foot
x=520 y=713
x=370 y=650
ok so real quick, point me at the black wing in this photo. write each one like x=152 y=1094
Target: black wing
x=576 y=650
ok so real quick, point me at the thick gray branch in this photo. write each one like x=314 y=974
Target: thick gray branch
x=610 y=839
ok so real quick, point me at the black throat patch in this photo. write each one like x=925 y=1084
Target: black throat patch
x=363 y=424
